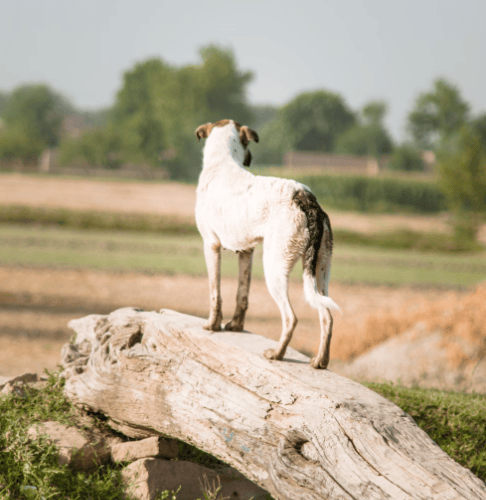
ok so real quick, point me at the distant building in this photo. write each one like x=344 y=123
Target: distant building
x=352 y=164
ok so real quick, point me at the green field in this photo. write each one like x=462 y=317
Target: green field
x=31 y=245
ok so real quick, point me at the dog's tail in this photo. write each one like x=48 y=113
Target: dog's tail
x=317 y=255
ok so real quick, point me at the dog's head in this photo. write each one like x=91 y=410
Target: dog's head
x=243 y=133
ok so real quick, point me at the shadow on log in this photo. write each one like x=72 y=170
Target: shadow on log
x=297 y=432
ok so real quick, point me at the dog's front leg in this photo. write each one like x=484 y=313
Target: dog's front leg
x=245 y=259
x=212 y=254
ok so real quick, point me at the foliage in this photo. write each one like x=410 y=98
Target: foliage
x=96 y=147
x=157 y=110
x=479 y=125
x=87 y=219
x=3 y=104
x=455 y=421
x=262 y=114
x=406 y=158
x=368 y=136
x=38 y=111
x=276 y=139
x=437 y=114
x=375 y=194
x=316 y=119
x=223 y=86
x=29 y=468
x=312 y=121
x=366 y=140
x=15 y=144
x=462 y=177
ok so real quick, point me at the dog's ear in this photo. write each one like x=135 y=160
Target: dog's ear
x=247 y=135
x=203 y=131
x=248 y=158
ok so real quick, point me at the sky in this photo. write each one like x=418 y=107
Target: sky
x=361 y=49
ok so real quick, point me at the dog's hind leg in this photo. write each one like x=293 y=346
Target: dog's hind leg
x=212 y=254
x=245 y=259
x=277 y=266
x=323 y=272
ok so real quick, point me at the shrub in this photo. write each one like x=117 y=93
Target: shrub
x=372 y=194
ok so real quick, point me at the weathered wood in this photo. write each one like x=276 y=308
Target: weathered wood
x=297 y=432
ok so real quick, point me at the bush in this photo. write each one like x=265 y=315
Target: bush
x=372 y=194
x=406 y=158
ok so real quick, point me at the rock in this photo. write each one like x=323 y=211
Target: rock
x=155 y=447
x=147 y=477
x=26 y=378
x=80 y=450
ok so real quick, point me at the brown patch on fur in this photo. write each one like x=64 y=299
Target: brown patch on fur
x=318 y=224
x=203 y=131
x=246 y=133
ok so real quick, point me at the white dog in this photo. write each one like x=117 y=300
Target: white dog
x=236 y=210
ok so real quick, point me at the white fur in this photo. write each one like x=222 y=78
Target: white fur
x=236 y=210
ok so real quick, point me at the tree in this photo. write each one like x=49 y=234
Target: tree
x=368 y=136
x=406 y=158
x=159 y=106
x=462 y=177
x=316 y=119
x=37 y=111
x=479 y=125
x=96 y=147
x=224 y=86
x=437 y=114
x=3 y=103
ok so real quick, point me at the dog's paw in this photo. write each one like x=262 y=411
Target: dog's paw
x=272 y=354
x=233 y=326
x=212 y=326
x=319 y=364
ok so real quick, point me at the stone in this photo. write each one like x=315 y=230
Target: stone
x=148 y=477
x=76 y=449
x=155 y=447
x=26 y=378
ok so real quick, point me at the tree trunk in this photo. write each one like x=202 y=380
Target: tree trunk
x=299 y=433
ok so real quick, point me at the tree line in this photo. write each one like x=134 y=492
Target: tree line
x=159 y=105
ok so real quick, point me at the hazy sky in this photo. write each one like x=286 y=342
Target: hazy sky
x=363 y=49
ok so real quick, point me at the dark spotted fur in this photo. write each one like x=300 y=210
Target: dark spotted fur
x=317 y=220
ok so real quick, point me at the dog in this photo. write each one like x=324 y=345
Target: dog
x=237 y=210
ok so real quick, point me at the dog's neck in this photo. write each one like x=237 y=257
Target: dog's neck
x=222 y=146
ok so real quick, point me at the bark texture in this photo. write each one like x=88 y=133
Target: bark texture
x=295 y=431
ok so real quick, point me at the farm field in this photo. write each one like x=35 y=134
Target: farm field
x=51 y=275
x=169 y=254
x=176 y=200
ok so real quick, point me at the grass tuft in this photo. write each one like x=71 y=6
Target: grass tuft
x=29 y=468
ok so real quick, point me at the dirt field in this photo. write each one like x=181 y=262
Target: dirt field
x=36 y=305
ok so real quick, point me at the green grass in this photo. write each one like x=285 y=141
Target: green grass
x=29 y=467
x=32 y=245
x=455 y=421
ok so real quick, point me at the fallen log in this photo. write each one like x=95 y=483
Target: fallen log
x=297 y=432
